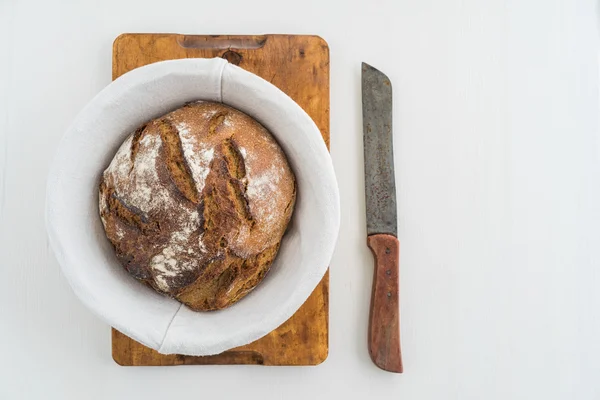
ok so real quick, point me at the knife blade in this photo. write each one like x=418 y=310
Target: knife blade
x=382 y=225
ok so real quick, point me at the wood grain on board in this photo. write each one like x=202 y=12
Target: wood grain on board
x=298 y=65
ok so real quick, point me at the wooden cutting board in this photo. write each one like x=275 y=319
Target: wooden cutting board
x=298 y=65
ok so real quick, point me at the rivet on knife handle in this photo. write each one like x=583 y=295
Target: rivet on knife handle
x=384 y=318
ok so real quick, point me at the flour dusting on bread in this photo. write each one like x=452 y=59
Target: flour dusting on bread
x=198 y=158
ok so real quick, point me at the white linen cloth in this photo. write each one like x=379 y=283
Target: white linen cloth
x=87 y=258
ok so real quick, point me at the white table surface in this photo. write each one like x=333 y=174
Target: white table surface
x=498 y=173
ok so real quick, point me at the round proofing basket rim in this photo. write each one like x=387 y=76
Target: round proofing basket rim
x=87 y=260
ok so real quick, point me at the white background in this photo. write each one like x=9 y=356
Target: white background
x=498 y=174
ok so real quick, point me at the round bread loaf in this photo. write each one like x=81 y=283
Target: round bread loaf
x=196 y=203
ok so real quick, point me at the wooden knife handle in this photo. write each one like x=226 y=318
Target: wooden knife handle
x=384 y=319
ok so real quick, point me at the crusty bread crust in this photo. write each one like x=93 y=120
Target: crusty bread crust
x=196 y=203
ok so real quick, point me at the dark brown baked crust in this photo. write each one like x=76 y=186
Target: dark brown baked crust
x=196 y=203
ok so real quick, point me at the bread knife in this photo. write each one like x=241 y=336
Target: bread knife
x=382 y=225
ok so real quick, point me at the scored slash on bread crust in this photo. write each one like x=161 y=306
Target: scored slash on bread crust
x=178 y=168
x=196 y=203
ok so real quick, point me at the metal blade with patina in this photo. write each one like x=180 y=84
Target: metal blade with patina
x=380 y=184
